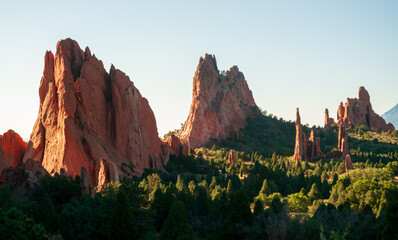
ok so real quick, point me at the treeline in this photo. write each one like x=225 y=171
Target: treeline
x=202 y=197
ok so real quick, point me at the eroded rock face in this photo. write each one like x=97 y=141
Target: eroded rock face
x=359 y=111
x=12 y=149
x=305 y=149
x=328 y=120
x=348 y=163
x=86 y=114
x=232 y=157
x=220 y=104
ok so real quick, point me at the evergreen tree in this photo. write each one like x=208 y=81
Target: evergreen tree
x=265 y=189
x=230 y=189
x=258 y=207
x=180 y=184
x=177 y=224
x=314 y=193
x=122 y=222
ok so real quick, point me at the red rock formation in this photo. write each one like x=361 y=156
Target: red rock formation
x=86 y=114
x=220 y=104
x=175 y=144
x=305 y=149
x=107 y=174
x=342 y=145
x=232 y=157
x=13 y=147
x=359 y=111
x=300 y=145
x=314 y=147
x=340 y=113
x=348 y=163
x=328 y=120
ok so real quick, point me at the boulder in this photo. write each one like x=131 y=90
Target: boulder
x=86 y=114
x=221 y=103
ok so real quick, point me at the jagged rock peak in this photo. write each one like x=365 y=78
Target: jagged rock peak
x=86 y=114
x=305 y=148
x=359 y=111
x=220 y=104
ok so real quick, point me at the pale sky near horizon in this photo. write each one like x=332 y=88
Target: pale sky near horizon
x=306 y=54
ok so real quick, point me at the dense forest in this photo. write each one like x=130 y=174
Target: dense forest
x=264 y=195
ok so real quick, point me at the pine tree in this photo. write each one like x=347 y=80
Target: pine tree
x=314 y=193
x=265 y=189
x=177 y=224
x=123 y=223
x=230 y=189
x=180 y=184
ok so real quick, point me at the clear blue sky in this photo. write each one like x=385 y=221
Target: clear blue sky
x=307 y=54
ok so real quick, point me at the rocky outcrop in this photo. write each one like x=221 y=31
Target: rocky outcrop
x=305 y=149
x=22 y=178
x=108 y=173
x=232 y=157
x=86 y=114
x=175 y=144
x=314 y=147
x=328 y=120
x=342 y=144
x=359 y=111
x=348 y=163
x=12 y=149
x=300 y=144
x=220 y=104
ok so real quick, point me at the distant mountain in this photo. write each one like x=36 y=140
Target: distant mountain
x=392 y=116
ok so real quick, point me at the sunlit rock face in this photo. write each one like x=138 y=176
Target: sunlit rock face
x=305 y=148
x=86 y=114
x=12 y=149
x=328 y=120
x=359 y=110
x=221 y=103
